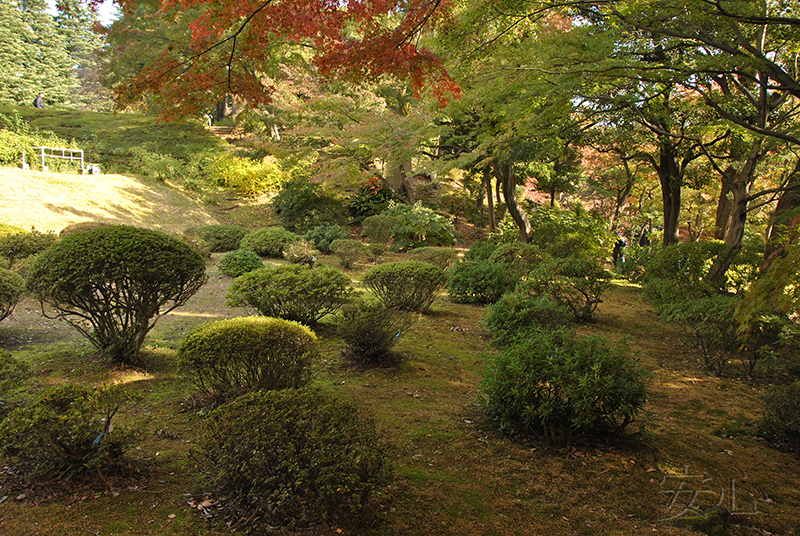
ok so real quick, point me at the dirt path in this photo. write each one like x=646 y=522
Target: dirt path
x=51 y=201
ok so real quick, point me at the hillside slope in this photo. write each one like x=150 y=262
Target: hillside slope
x=51 y=201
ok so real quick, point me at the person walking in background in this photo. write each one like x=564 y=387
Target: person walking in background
x=39 y=101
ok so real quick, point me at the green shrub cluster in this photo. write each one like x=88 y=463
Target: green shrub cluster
x=112 y=283
x=16 y=137
x=480 y=250
x=479 y=282
x=370 y=331
x=417 y=226
x=378 y=228
x=294 y=458
x=563 y=233
x=232 y=357
x=517 y=313
x=349 y=251
x=11 y=287
x=562 y=389
x=302 y=205
x=437 y=256
x=780 y=424
x=18 y=246
x=221 y=237
x=69 y=429
x=575 y=282
x=249 y=177
x=633 y=264
x=407 y=285
x=372 y=198
x=301 y=252
x=13 y=372
x=292 y=292
x=518 y=258
x=269 y=241
x=79 y=227
x=238 y=262
x=322 y=236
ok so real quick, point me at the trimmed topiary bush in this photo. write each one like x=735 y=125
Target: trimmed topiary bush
x=561 y=388
x=518 y=258
x=370 y=331
x=269 y=241
x=221 y=237
x=11 y=287
x=113 y=283
x=18 y=246
x=780 y=424
x=292 y=292
x=379 y=228
x=238 y=262
x=407 y=285
x=479 y=282
x=517 y=313
x=441 y=257
x=349 y=252
x=293 y=458
x=69 y=429
x=323 y=235
x=232 y=357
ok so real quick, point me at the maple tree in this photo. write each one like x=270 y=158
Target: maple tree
x=232 y=44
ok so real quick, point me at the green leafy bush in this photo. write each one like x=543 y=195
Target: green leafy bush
x=349 y=251
x=219 y=237
x=563 y=233
x=232 y=357
x=323 y=235
x=113 y=283
x=302 y=205
x=633 y=264
x=18 y=246
x=780 y=424
x=408 y=285
x=517 y=313
x=437 y=256
x=575 y=282
x=249 y=177
x=301 y=252
x=372 y=198
x=238 y=262
x=370 y=332
x=480 y=250
x=11 y=287
x=379 y=228
x=375 y=250
x=69 y=429
x=269 y=241
x=562 y=389
x=79 y=227
x=292 y=292
x=16 y=137
x=292 y=458
x=518 y=258
x=417 y=226
x=13 y=372
x=479 y=282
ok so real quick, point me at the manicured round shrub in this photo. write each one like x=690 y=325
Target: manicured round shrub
x=232 y=357
x=238 y=262
x=113 y=283
x=292 y=292
x=479 y=282
x=370 y=331
x=11 y=287
x=80 y=227
x=292 y=458
x=375 y=250
x=562 y=388
x=322 y=236
x=69 y=429
x=518 y=258
x=379 y=228
x=416 y=226
x=407 y=285
x=349 y=251
x=480 y=250
x=18 y=246
x=221 y=237
x=301 y=252
x=780 y=424
x=269 y=241
x=517 y=313
x=437 y=256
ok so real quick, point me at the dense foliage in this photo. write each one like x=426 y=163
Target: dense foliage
x=322 y=236
x=349 y=251
x=238 y=262
x=370 y=331
x=302 y=205
x=780 y=423
x=11 y=287
x=575 y=282
x=15 y=247
x=232 y=357
x=294 y=458
x=517 y=313
x=408 y=285
x=416 y=226
x=480 y=282
x=292 y=292
x=437 y=256
x=220 y=237
x=562 y=388
x=269 y=241
x=113 y=283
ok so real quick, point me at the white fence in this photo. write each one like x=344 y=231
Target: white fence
x=63 y=153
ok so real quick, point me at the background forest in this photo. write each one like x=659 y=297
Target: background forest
x=601 y=198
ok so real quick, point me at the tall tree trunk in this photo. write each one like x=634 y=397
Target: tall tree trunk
x=400 y=184
x=487 y=183
x=781 y=218
x=506 y=177
x=670 y=177
x=724 y=206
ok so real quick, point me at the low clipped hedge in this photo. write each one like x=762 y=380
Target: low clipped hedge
x=232 y=357
x=292 y=292
x=11 y=287
x=294 y=458
x=407 y=285
x=222 y=237
x=479 y=282
x=562 y=388
x=269 y=241
x=238 y=262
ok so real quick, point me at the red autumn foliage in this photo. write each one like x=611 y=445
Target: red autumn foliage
x=233 y=42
